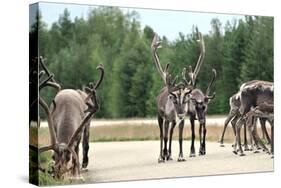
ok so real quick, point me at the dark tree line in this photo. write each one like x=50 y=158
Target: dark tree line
x=244 y=51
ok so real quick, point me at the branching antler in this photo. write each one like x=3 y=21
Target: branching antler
x=193 y=74
x=51 y=127
x=208 y=90
x=165 y=76
x=49 y=81
x=156 y=43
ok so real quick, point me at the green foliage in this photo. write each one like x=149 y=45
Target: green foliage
x=242 y=51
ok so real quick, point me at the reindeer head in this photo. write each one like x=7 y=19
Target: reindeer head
x=178 y=96
x=199 y=101
x=64 y=151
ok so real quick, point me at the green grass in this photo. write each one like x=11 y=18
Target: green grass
x=129 y=132
x=38 y=177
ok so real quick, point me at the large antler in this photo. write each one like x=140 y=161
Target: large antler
x=51 y=127
x=91 y=86
x=156 y=43
x=210 y=85
x=50 y=80
x=193 y=74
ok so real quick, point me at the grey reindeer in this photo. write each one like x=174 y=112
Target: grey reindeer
x=197 y=107
x=233 y=116
x=171 y=102
x=252 y=96
x=69 y=120
x=262 y=110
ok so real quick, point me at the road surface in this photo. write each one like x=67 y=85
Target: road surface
x=134 y=160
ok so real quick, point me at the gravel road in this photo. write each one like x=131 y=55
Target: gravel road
x=134 y=160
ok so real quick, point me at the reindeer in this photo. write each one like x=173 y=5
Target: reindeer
x=233 y=116
x=197 y=106
x=171 y=102
x=252 y=95
x=263 y=110
x=71 y=115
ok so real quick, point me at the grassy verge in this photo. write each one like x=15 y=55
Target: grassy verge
x=44 y=160
x=130 y=132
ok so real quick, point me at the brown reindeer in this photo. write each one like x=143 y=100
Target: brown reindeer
x=262 y=110
x=253 y=95
x=197 y=107
x=233 y=116
x=171 y=102
x=70 y=118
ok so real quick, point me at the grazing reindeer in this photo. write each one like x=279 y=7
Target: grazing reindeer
x=171 y=102
x=254 y=94
x=233 y=116
x=197 y=106
x=70 y=118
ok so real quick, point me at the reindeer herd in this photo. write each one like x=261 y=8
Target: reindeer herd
x=71 y=111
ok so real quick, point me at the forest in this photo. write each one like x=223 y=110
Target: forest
x=240 y=50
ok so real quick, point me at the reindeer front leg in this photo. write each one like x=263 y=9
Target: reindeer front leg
x=246 y=148
x=202 y=150
x=170 y=141
x=181 y=125
x=85 y=144
x=160 y=123
x=192 y=149
x=264 y=131
x=166 y=130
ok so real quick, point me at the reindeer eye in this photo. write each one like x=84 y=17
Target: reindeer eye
x=174 y=99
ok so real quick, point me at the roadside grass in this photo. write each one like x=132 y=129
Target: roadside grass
x=42 y=161
x=130 y=132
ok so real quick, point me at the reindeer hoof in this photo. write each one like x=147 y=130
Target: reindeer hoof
x=169 y=158
x=246 y=148
x=235 y=152
x=84 y=165
x=241 y=154
x=222 y=145
x=161 y=160
x=181 y=159
x=202 y=152
x=192 y=155
x=257 y=151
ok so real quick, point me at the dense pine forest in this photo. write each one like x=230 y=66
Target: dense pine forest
x=240 y=51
